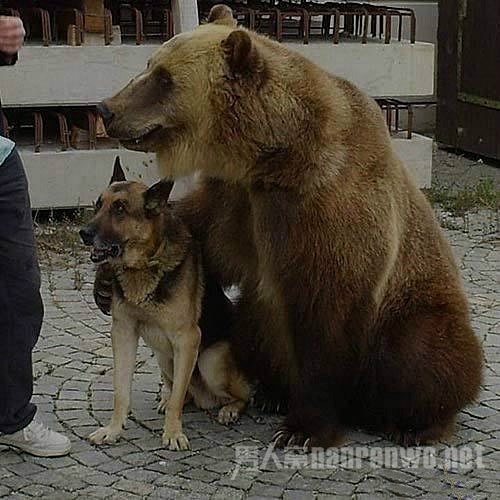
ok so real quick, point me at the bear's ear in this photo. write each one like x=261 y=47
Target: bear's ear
x=118 y=173
x=241 y=55
x=156 y=197
x=221 y=14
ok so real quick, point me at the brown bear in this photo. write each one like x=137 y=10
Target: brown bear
x=351 y=308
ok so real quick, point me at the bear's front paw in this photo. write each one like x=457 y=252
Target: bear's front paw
x=105 y=435
x=269 y=403
x=285 y=436
x=175 y=440
x=293 y=435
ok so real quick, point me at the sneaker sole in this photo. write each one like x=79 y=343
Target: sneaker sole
x=39 y=453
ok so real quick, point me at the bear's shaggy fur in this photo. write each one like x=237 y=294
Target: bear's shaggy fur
x=351 y=305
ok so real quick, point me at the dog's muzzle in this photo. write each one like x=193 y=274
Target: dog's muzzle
x=101 y=253
x=101 y=250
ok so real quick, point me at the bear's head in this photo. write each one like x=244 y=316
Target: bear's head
x=218 y=98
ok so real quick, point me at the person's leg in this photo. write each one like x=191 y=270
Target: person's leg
x=21 y=309
x=21 y=314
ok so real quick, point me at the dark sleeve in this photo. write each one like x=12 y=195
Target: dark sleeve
x=7 y=60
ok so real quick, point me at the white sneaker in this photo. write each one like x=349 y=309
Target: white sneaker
x=37 y=439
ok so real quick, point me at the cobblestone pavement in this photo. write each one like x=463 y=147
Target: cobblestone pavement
x=73 y=368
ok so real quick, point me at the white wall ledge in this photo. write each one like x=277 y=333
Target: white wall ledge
x=75 y=178
x=63 y=75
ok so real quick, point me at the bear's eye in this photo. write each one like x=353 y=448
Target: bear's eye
x=164 y=78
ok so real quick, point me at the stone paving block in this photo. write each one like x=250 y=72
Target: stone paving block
x=221 y=467
x=38 y=490
x=136 y=487
x=168 y=493
x=265 y=490
x=298 y=495
x=91 y=458
x=141 y=475
x=278 y=478
x=323 y=496
x=166 y=467
x=148 y=443
x=96 y=492
x=95 y=478
x=113 y=467
x=402 y=490
x=25 y=469
x=339 y=488
x=240 y=482
x=139 y=459
x=15 y=482
x=120 y=449
x=55 y=462
x=373 y=496
x=228 y=494
x=9 y=457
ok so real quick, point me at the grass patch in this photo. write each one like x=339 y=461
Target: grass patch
x=59 y=243
x=459 y=201
x=58 y=232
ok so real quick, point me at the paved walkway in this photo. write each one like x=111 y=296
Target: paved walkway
x=73 y=367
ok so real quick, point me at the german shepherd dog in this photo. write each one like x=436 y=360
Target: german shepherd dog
x=157 y=295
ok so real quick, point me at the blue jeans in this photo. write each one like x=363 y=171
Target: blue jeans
x=21 y=308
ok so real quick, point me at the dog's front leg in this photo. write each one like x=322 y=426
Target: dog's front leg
x=186 y=344
x=124 y=340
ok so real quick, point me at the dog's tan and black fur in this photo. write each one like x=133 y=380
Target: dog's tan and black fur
x=157 y=295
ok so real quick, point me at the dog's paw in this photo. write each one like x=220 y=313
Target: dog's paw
x=176 y=441
x=105 y=435
x=229 y=414
x=162 y=405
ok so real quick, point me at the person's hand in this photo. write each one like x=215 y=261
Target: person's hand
x=11 y=34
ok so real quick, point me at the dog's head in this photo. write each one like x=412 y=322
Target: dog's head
x=128 y=221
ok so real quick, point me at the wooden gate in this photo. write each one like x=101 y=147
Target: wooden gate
x=468 y=115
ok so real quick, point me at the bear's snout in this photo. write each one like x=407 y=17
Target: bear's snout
x=106 y=114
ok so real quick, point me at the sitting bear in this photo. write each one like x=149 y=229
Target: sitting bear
x=351 y=308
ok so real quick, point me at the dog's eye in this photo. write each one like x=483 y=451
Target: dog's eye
x=119 y=207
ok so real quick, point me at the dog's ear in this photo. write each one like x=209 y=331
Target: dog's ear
x=156 y=197
x=221 y=14
x=118 y=173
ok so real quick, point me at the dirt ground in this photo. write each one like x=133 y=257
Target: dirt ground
x=459 y=169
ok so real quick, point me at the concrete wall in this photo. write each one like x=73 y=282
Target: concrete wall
x=395 y=69
x=63 y=75
x=427 y=19
x=76 y=178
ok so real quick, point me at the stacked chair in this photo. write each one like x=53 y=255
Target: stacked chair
x=56 y=128
x=50 y=22
x=306 y=20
